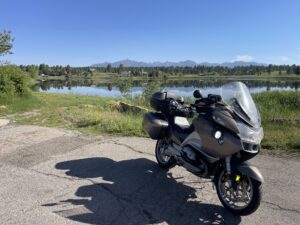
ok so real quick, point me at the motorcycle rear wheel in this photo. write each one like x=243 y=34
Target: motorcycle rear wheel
x=163 y=160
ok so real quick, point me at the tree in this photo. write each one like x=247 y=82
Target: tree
x=12 y=81
x=297 y=70
x=68 y=69
x=121 y=68
x=270 y=67
x=5 y=43
x=44 y=69
x=32 y=70
x=108 y=68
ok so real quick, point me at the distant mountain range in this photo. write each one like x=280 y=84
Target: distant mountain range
x=189 y=63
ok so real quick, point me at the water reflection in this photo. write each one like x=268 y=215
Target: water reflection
x=131 y=88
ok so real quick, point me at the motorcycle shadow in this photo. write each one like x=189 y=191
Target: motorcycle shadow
x=136 y=191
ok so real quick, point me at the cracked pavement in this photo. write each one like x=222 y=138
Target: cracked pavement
x=54 y=176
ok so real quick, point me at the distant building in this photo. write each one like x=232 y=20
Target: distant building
x=125 y=73
x=143 y=73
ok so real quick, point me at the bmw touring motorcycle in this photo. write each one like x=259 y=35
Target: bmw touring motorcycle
x=225 y=134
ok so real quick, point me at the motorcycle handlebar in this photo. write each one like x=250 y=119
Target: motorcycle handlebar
x=203 y=103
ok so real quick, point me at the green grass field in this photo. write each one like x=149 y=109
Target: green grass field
x=280 y=112
x=85 y=113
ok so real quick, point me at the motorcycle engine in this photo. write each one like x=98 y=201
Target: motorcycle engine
x=189 y=154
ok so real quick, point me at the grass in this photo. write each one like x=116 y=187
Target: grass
x=280 y=112
x=85 y=113
x=11 y=105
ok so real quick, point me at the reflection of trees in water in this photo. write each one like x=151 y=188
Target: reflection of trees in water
x=268 y=86
x=35 y=87
x=60 y=84
x=109 y=86
x=296 y=85
x=125 y=85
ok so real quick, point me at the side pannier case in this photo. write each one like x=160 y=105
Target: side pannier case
x=155 y=125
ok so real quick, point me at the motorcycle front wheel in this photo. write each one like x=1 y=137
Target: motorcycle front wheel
x=163 y=160
x=242 y=200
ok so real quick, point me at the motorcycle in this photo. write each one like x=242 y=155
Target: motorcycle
x=224 y=135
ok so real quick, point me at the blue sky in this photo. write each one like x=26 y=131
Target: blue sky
x=83 y=32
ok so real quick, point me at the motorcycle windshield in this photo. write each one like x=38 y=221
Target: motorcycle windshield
x=237 y=96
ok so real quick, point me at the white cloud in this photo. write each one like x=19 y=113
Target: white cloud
x=244 y=58
x=298 y=48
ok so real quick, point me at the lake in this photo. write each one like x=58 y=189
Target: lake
x=185 y=88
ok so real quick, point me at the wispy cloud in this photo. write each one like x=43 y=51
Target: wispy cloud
x=244 y=58
x=298 y=48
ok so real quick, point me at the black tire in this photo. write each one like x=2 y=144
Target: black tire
x=165 y=164
x=252 y=205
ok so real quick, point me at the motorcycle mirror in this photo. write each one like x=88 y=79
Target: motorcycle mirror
x=197 y=94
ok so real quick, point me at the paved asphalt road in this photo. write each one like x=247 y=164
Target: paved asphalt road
x=54 y=176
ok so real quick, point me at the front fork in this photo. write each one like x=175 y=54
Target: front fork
x=235 y=168
x=232 y=172
x=227 y=164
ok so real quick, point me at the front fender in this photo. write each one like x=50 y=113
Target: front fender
x=250 y=171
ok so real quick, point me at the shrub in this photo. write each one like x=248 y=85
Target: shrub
x=12 y=81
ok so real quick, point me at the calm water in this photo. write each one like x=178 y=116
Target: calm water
x=182 y=87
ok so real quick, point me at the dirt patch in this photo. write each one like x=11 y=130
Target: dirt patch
x=25 y=114
x=3 y=122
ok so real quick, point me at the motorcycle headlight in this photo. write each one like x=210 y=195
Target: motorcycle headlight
x=217 y=134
